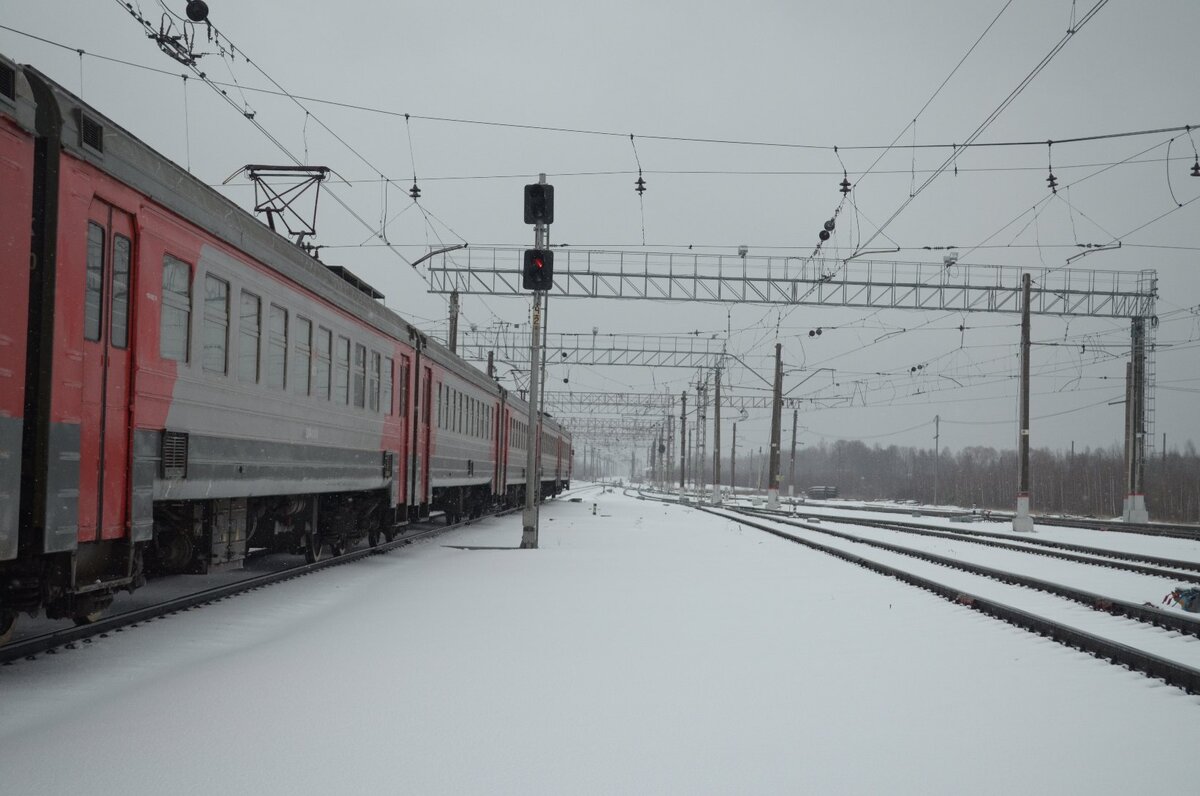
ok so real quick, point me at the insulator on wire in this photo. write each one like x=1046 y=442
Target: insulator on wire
x=845 y=184
x=641 y=185
x=1052 y=182
x=829 y=225
x=823 y=235
x=414 y=192
x=1196 y=168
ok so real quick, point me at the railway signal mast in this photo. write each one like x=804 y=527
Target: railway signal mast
x=538 y=275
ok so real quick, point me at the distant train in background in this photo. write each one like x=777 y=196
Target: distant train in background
x=178 y=383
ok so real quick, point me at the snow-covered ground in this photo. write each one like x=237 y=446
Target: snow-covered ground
x=646 y=649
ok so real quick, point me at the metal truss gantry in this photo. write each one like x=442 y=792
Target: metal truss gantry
x=643 y=403
x=622 y=428
x=594 y=349
x=873 y=284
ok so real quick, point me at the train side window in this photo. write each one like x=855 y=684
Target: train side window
x=302 y=357
x=174 y=341
x=120 y=292
x=277 y=344
x=373 y=375
x=341 y=371
x=93 y=297
x=360 y=375
x=249 y=334
x=215 y=358
x=322 y=363
x=385 y=385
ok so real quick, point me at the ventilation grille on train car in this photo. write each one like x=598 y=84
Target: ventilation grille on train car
x=8 y=82
x=174 y=454
x=91 y=134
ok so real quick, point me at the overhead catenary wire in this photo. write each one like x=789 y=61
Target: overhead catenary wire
x=956 y=148
x=991 y=117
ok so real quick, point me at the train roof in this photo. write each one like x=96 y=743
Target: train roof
x=93 y=137
x=16 y=99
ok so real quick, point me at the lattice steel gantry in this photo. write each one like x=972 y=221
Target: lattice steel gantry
x=594 y=349
x=873 y=284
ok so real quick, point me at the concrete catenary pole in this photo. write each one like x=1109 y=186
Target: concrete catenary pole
x=733 y=462
x=1021 y=520
x=1135 y=443
x=937 y=454
x=792 y=466
x=716 y=491
x=682 y=443
x=776 y=422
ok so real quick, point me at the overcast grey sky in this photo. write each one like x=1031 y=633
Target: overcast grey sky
x=848 y=74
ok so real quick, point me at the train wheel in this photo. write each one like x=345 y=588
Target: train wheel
x=8 y=623
x=314 y=547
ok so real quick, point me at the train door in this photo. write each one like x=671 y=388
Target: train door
x=104 y=430
x=501 y=451
x=405 y=408
x=424 y=450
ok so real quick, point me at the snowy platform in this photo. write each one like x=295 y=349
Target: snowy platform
x=646 y=649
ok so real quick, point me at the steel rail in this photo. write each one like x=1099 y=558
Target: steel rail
x=1114 y=559
x=1176 y=674
x=1171 y=672
x=1176 y=530
x=1112 y=605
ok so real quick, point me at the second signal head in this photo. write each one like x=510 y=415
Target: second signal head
x=538 y=269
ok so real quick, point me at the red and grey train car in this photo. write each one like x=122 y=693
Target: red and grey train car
x=180 y=383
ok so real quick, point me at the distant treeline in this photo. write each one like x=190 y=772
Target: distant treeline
x=1088 y=482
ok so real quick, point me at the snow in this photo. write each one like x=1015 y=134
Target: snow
x=647 y=649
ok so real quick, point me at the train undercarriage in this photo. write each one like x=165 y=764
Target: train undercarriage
x=201 y=536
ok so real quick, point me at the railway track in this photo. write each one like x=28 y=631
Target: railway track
x=1175 y=530
x=74 y=637
x=1171 y=671
x=1098 y=556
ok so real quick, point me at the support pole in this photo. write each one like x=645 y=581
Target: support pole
x=453 y=341
x=1135 y=438
x=533 y=484
x=682 y=442
x=716 y=490
x=529 y=519
x=937 y=454
x=776 y=431
x=701 y=430
x=1021 y=520
x=792 y=466
x=733 y=462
